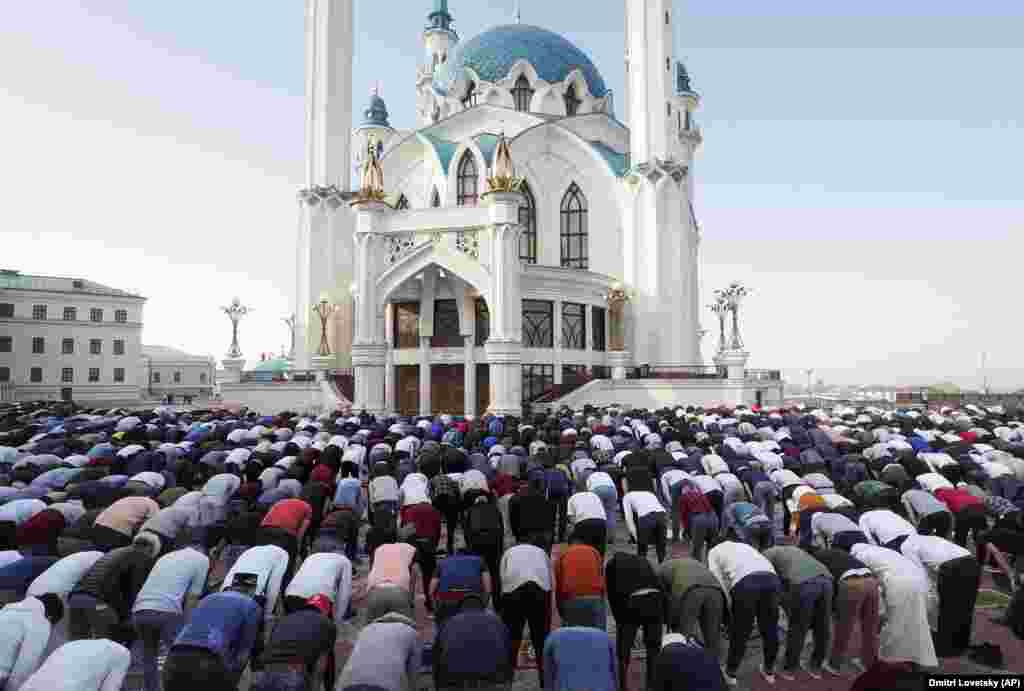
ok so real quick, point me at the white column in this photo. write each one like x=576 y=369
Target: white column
x=368 y=360
x=469 y=376
x=424 y=375
x=556 y=327
x=506 y=363
x=329 y=38
x=504 y=347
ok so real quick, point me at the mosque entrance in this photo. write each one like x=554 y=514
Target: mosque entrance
x=407 y=389
x=447 y=389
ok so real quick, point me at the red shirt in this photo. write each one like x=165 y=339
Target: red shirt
x=323 y=473
x=579 y=572
x=288 y=514
x=691 y=502
x=425 y=518
x=504 y=485
x=41 y=528
x=957 y=499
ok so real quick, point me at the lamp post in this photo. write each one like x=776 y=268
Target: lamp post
x=291 y=321
x=734 y=295
x=324 y=309
x=720 y=308
x=235 y=312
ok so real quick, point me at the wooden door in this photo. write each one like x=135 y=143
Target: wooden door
x=407 y=389
x=447 y=389
x=483 y=388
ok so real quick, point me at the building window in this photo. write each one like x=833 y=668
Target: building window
x=402 y=204
x=597 y=338
x=537 y=379
x=5 y=374
x=119 y=375
x=6 y=344
x=35 y=375
x=668 y=19
x=202 y=377
x=528 y=220
x=38 y=345
x=70 y=314
x=467 y=180
x=67 y=375
x=118 y=347
x=156 y=377
x=121 y=316
x=668 y=109
x=522 y=94
x=67 y=346
x=688 y=122
x=177 y=377
x=39 y=312
x=95 y=346
x=446 y=325
x=483 y=322
x=469 y=100
x=538 y=324
x=406 y=324
x=574 y=326
x=96 y=314
x=668 y=65
x=435 y=200
x=574 y=229
x=572 y=103
x=94 y=375
x=6 y=310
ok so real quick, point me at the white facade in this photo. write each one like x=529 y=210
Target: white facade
x=606 y=204
x=89 y=336
x=167 y=371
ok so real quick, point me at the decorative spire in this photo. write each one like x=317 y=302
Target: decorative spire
x=519 y=11
x=371 y=186
x=439 y=18
x=682 y=79
x=376 y=112
x=503 y=174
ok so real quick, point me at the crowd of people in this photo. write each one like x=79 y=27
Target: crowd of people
x=228 y=548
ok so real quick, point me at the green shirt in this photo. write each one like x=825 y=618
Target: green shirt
x=793 y=565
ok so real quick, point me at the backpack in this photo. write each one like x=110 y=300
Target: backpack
x=557 y=483
x=483 y=525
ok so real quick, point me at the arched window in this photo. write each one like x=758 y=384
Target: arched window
x=402 y=204
x=572 y=103
x=467 y=181
x=528 y=220
x=435 y=200
x=522 y=94
x=469 y=100
x=574 y=229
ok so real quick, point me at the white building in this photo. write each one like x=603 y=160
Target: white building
x=455 y=300
x=165 y=371
x=68 y=338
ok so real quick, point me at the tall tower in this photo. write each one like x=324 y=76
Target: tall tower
x=324 y=246
x=662 y=237
x=439 y=38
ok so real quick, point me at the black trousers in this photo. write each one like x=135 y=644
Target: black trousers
x=491 y=554
x=652 y=528
x=426 y=557
x=717 y=500
x=971 y=519
x=958 y=591
x=646 y=611
x=450 y=508
x=939 y=523
x=527 y=604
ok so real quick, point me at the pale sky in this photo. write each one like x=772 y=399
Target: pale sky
x=860 y=169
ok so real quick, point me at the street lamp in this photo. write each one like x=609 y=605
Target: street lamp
x=720 y=308
x=235 y=312
x=324 y=309
x=291 y=321
x=734 y=295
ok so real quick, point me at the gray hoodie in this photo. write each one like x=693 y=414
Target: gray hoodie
x=387 y=655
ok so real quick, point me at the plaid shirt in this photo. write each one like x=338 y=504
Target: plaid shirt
x=442 y=485
x=999 y=506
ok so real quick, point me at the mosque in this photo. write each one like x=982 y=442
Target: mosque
x=522 y=238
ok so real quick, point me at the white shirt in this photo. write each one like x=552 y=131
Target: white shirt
x=327 y=574
x=933 y=481
x=641 y=503
x=706 y=484
x=271 y=476
x=383 y=488
x=269 y=563
x=882 y=526
x=731 y=562
x=825 y=525
x=62 y=577
x=154 y=480
x=994 y=470
x=25 y=633
x=835 y=501
x=785 y=478
x=175 y=575
x=20 y=510
x=769 y=461
x=713 y=465
x=930 y=552
x=88 y=665
x=583 y=506
x=601 y=442
x=473 y=480
x=671 y=477
x=409 y=444
x=525 y=564
x=936 y=460
x=598 y=479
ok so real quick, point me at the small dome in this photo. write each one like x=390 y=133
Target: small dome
x=376 y=113
x=493 y=53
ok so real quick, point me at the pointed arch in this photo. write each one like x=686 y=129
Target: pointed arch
x=574 y=227
x=528 y=220
x=467 y=181
x=572 y=101
x=435 y=199
x=522 y=93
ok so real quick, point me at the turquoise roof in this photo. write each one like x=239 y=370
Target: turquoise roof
x=376 y=113
x=492 y=54
x=488 y=144
x=616 y=161
x=444 y=149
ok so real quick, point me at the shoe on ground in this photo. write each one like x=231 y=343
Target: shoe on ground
x=829 y=669
x=813 y=672
x=730 y=680
x=769 y=675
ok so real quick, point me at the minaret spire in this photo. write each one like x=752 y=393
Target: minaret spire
x=519 y=11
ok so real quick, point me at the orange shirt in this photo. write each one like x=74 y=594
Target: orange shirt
x=128 y=514
x=579 y=572
x=288 y=514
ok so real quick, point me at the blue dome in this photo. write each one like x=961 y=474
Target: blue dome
x=492 y=54
x=376 y=113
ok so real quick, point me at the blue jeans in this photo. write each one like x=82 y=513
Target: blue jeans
x=157 y=631
x=810 y=607
x=610 y=499
x=281 y=679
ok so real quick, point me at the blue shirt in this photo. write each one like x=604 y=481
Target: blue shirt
x=460 y=573
x=20 y=574
x=349 y=494
x=579 y=657
x=226 y=624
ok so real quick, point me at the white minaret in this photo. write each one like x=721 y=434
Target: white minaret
x=662 y=256
x=324 y=266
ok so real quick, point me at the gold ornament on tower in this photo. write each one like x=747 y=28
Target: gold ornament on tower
x=617 y=298
x=503 y=174
x=371 y=186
